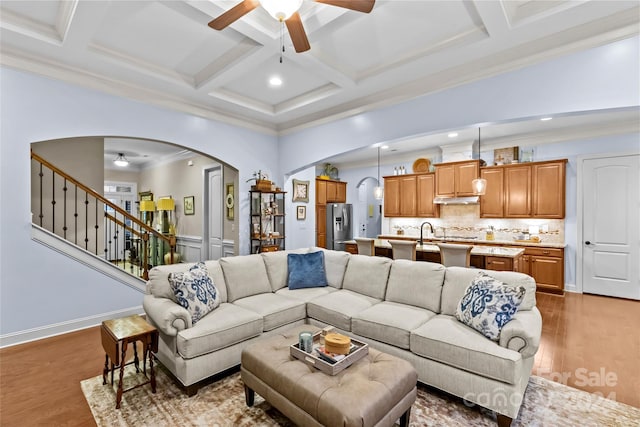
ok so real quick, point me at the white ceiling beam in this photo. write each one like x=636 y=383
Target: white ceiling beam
x=493 y=16
x=81 y=23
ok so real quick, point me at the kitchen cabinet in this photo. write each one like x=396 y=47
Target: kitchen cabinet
x=548 y=194
x=327 y=191
x=546 y=266
x=352 y=248
x=532 y=190
x=517 y=192
x=391 y=196
x=454 y=179
x=331 y=191
x=341 y=192
x=321 y=226
x=321 y=192
x=410 y=196
x=498 y=263
x=426 y=187
x=492 y=202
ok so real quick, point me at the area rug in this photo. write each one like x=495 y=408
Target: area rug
x=222 y=403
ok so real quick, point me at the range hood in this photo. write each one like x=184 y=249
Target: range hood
x=471 y=200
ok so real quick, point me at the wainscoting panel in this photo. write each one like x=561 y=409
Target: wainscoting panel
x=190 y=247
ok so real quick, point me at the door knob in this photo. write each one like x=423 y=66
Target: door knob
x=587 y=242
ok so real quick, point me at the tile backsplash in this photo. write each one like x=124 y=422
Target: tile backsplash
x=465 y=221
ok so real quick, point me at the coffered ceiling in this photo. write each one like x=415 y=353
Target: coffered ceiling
x=163 y=52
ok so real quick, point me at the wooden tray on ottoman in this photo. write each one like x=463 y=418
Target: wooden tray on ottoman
x=311 y=359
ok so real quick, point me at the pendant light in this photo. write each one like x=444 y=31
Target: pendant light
x=378 y=191
x=479 y=184
x=121 y=160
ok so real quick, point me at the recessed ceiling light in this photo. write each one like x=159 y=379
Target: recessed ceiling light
x=452 y=134
x=545 y=119
x=275 y=81
x=384 y=147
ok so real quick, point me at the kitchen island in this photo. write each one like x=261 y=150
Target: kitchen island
x=482 y=256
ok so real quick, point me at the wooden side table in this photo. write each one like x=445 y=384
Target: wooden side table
x=117 y=334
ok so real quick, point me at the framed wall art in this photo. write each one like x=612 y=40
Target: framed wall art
x=301 y=212
x=230 y=202
x=300 y=191
x=189 y=205
x=506 y=156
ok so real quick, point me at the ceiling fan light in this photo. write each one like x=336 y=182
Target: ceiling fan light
x=121 y=160
x=281 y=9
x=479 y=186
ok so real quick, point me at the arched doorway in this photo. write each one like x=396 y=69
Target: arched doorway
x=368 y=210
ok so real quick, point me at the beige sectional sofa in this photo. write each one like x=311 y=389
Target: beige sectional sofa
x=404 y=308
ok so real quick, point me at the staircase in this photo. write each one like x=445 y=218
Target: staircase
x=70 y=217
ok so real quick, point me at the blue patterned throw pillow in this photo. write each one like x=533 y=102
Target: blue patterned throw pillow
x=488 y=304
x=195 y=291
x=306 y=270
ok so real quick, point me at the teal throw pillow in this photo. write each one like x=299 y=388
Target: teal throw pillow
x=195 y=291
x=306 y=270
x=488 y=304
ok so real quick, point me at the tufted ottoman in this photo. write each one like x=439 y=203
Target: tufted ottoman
x=375 y=391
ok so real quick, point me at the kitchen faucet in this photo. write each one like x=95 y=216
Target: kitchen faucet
x=421 y=242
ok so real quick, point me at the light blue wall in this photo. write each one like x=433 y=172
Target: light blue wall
x=40 y=287
x=599 y=78
x=301 y=233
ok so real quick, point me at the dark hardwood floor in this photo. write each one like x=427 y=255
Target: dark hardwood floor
x=586 y=342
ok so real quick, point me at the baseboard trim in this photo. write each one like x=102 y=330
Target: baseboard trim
x=39 y=333
x=571 y=287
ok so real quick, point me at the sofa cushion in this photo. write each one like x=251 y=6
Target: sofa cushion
x=195 y=291
x=335 y=264
x=227 y=325
x=306 y=270
x=367 y=275
x=416 y=283
x=245 y=276
x=337 y=308
x=215 y=272
x=158 y=284
x=277 y=268
x=456 y=280
x=452 y=343
x=305 y=294
x=389 y=322
x=276 y=310
x=488 y=304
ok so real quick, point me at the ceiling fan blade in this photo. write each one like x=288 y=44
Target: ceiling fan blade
x=364 y=6
x=233 y=14
x=297 y=33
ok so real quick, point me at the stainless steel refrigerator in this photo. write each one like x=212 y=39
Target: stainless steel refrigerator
x=339 y=225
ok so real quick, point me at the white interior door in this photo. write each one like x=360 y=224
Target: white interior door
x=611 y=231
x=215 y=231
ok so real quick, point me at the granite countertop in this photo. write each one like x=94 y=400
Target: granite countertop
x=542 y=244
x=476 y=250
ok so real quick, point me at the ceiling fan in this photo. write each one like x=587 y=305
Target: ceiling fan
x=286 y=11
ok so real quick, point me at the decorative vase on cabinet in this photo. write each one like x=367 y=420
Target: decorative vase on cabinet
x=267 y=227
